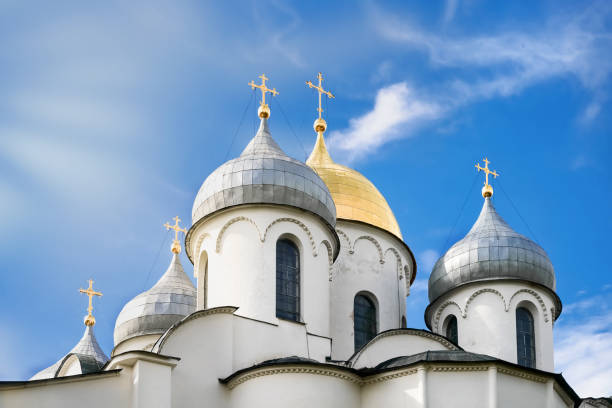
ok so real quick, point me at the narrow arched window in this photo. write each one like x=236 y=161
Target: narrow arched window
x=451 y=329
x=364 y=320
x=525 y=338
x=287 y=280
x=404 y=322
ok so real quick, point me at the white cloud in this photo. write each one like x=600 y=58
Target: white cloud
x=480 y=68
x=397 y=108
x=583 y=346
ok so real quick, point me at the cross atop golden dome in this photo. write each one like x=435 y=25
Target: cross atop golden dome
x=487 y=190
x=89 y=319
x=319 y=124
x=264 y=109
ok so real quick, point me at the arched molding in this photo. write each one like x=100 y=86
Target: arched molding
x=397 y=257
x=480 y=292
x=438 y=314
x=330 y=257
x=233 y=221
x=348 y=240
x=536 y=295
x=298 y=223
x=198 y=247
x=373 y=241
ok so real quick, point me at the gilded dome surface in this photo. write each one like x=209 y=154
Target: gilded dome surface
x=264 y=174
x=355 y=196
x=490 y=250
x=154 y=311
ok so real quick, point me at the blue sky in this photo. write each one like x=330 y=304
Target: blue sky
x=111 y=117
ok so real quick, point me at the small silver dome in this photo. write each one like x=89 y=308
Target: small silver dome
x=89 y=353
x=491 y=250
x=154 y=311
x=264 y=174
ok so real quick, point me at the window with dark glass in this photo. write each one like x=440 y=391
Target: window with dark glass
x=365 y=320
x=287 y=280
x=404 y=322
x=451 y=330
x=525 y=338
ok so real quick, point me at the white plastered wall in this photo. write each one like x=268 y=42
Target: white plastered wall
x=371 y=261
x=235 y=256
x=486 y=318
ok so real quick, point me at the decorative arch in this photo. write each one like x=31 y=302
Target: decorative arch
x=348 y=240
x=397 y=256
x=297 y=222
x=441 y=309
x=198 y=246
x=480 y=292
x=536 y=295
x=376 y=244
x=330 y=257
x=233 y=221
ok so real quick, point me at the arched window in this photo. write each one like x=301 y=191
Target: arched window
x=525 y=338
x=404 y=322
x=364 y=314
x=287 y=280
x=451 y=329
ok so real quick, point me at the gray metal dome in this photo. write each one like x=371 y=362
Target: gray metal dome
x=264 y=174
x=154 y=311
x=87 y=350
x=491 y=250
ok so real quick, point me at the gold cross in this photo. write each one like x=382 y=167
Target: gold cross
x=264 y=109
x=176 y=245
x=320 y=89
x=89 y=319
x=487 y=190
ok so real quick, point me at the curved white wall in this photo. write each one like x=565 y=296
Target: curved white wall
x=235 y=256
x=371 y=261
x=486 y=318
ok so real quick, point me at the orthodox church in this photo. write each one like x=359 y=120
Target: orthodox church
x=300 y=300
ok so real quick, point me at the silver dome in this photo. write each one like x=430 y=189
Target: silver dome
x=491 y=250
x=154 y=311
x=264 y=174
x=87 y=350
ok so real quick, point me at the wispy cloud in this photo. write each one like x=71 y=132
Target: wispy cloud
x=397 y=108
x=450 y=8
x=479 y=68
x=583 y=346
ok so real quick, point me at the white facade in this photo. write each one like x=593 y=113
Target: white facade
x=486 y=318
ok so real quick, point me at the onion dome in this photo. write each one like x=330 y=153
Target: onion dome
x=356 y=198
x=490 y=251
x=154 y=311
x=264 y=174
x=87 y=351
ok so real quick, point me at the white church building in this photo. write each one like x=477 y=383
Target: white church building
x=300 y=301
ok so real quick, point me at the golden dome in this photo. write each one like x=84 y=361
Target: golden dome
x=355 y=196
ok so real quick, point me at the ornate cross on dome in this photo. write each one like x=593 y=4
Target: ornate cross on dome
x=264 y=109
x=320 y=124
x=487 y=190
x=176 y=245
x=320 y=90
x=89 y=319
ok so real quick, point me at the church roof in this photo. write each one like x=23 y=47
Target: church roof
x=154 y=311
x=490 y=250
x=356 y=198
x=88 y=351
x=264 y=174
